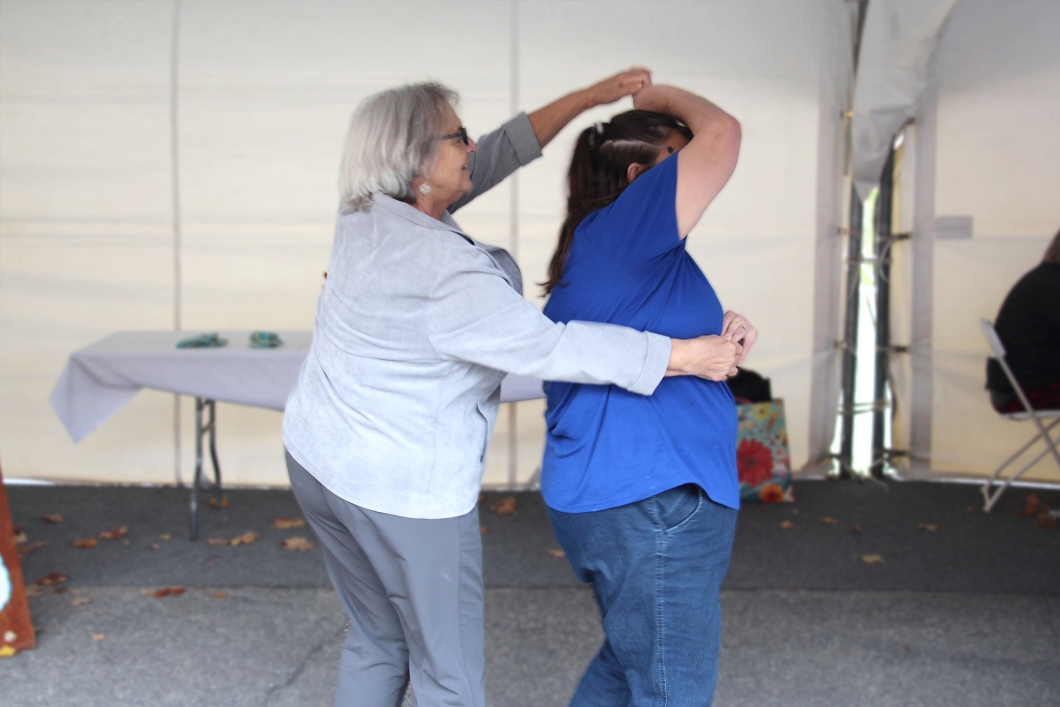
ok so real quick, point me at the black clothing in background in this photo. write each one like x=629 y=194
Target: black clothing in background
x=1029 y=327
x=748 y=386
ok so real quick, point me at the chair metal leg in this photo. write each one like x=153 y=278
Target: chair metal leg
x=991 y=499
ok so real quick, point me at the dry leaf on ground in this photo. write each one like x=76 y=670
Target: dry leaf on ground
x=165 y=592
x=557 y=553
x=26 y=548
x=32 y=590
x=297 y=543
x=505 y=506
x=80 y=601
x=930 y=527
x=85 y=543
x=152 y=547
x=872 y=559
x=224 y=502
x=217 y=541
x=165 y=536
x=787 y=525
x=247 y=538
x=20 y=537
x=1045 y=521
x=52 y=578
x=99 y=636
x=829 y=521
x=482 y=530
x=219 y=595
x=856 y=529
x=1033 y=506
x=52 y=517
x=115 y=534
x=282 y=523
x=794 y=511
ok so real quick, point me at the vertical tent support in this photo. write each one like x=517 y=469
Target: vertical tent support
x=513 y=410
x=178 y=275
x=849 y=344
x=883 y=242
x=850 y=336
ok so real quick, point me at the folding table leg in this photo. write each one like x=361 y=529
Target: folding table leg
x=198 y=470
x=212 y=427
x=200 y=431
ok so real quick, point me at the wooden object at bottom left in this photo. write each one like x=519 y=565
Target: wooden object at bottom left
x=16 y=629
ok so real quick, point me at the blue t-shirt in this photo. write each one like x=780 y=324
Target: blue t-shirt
x=607 y=447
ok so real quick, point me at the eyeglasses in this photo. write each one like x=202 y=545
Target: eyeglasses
x=461 y=133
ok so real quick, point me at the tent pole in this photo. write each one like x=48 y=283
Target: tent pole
x=850 y=337
x=849 y=343
x=884 y=240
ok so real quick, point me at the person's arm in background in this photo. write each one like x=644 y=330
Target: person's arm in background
x=706 y=163
x=519 y=141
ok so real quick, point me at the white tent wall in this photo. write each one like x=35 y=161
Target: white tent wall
x=85 y=222
x=991 y=122
x=263 y=92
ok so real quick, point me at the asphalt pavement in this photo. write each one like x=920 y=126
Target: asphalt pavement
x=963 y=609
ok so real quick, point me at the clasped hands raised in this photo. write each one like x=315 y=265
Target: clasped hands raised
x=714 y=357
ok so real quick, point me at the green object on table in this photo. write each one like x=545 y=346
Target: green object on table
x=202 y=341
x=264 y=340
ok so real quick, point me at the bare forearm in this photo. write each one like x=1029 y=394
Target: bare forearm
x=549 y=120
x=711 y=357
x=679 y=364
x=696 y=112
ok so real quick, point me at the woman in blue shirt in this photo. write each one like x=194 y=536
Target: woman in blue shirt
x=642 y=491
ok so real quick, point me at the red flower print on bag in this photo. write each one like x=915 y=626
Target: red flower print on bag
x=754 y=462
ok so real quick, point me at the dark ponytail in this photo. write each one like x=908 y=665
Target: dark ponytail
x=1052 y=253
x=599 y=168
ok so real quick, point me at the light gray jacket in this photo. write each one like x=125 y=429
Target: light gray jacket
x=414 y=330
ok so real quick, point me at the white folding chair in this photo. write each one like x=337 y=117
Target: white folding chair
x=1028 y=413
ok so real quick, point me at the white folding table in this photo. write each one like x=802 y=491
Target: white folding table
x=100 y=379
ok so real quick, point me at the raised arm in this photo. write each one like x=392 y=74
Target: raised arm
x=706 y=163
x=519 y=141
x=549 y=120
x=497 y=155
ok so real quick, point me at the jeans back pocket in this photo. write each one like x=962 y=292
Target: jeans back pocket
x=676 y=505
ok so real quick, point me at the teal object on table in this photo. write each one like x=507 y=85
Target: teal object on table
x=202 y=341
x=264 y=340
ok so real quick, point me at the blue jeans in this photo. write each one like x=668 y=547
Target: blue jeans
x=656 y=568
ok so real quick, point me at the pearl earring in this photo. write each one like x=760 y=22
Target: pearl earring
x=425 y=189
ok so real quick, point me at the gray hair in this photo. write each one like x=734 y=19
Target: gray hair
x=392 y=139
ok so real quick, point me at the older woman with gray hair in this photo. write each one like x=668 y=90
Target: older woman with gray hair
x=418 y=322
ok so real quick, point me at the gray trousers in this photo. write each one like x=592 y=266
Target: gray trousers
x=412 y=589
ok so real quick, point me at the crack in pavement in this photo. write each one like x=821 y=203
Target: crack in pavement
x=300 y=668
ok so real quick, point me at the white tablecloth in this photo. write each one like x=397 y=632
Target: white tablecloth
x=100 y=379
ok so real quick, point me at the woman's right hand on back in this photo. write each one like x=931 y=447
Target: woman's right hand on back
x=711 y=357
